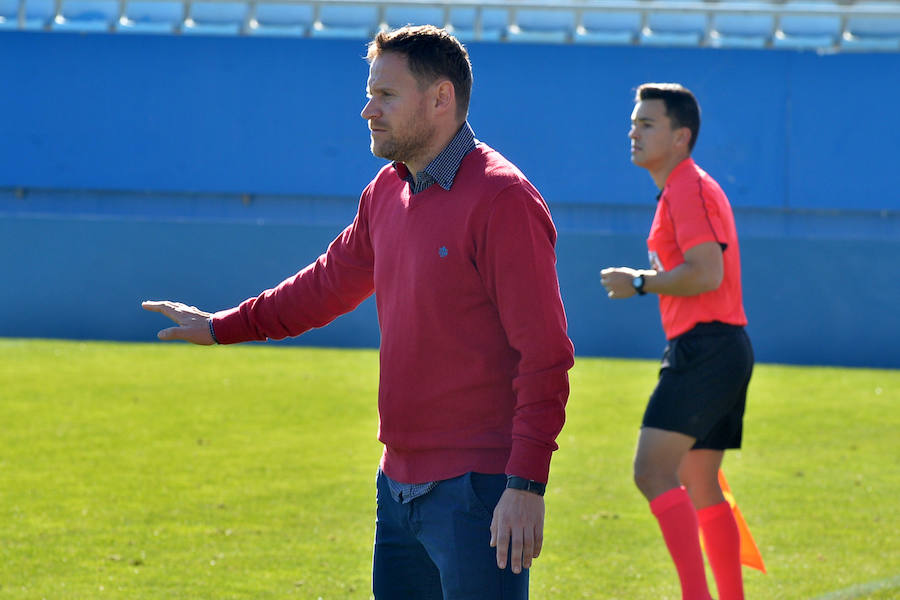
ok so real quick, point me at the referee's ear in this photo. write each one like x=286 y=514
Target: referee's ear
x=683 y=140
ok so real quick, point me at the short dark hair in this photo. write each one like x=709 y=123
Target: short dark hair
x=681 y=105
x=431 y=53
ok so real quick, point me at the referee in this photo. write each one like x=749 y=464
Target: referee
x=697 y=408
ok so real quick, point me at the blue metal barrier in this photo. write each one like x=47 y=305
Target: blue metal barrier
x=123 y=154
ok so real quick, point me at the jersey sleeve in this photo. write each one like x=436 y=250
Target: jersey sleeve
x=695 y=215
x=336 y=283
x=518 y=266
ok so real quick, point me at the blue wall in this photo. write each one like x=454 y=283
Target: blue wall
x=206 y=169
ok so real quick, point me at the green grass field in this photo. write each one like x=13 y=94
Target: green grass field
x=140 y=471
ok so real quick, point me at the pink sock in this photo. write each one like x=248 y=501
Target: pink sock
x=678 y=522
x=723 y=548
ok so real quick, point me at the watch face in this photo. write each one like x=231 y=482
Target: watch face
x=638 y=282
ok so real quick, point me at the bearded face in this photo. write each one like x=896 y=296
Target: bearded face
x=397 y=111
x=402 y=138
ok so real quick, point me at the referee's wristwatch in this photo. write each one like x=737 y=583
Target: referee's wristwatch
x=638 y=283
x=529 y=485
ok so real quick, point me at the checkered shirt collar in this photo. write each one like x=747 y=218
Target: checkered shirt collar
x=442 y=170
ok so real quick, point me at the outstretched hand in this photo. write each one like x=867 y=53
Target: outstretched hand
x=193 y=323
x=517 y=529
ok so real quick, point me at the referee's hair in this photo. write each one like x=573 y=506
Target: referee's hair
x=681 y=105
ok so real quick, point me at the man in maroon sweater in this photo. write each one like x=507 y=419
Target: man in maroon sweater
x=458 y=248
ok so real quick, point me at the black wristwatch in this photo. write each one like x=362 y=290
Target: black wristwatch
x=638 y=283
x=520 y=483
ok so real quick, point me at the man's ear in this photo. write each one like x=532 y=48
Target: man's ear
x=445 y=96
x=683 y=137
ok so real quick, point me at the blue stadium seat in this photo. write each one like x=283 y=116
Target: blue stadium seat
x=216 y=18
x=39 y=14
x=674 y=29
x=461 y=23
x=542 y=26
x=9 y=14
x=871 y=33
x=803 y=32
x=346 y=21
x=87 y=15
x=151 y=16
x=286 y=20
x=735 y=30
x=400 y=15
x=601 y=27
x=484 y=24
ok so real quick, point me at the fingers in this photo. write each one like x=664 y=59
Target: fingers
x=606 y=283
x=152 y=305
x=195 y=333
x=606 y=278
x=522 y=545
x=617 y=282
x=517 y=530
x=168 y=307
x=494 y=531
x=517 y=546
x=172 y=333
x=164 y=307
x=193 y=323
x=500 y=540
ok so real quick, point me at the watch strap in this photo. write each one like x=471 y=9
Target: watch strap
x=529 y=485
x=638 y=283
x=212 y=331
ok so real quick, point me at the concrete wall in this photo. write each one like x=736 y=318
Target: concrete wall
x=206 y=169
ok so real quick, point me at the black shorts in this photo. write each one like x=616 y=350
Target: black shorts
x=702 y=388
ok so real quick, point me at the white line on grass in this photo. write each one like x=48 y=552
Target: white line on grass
x=860 y=589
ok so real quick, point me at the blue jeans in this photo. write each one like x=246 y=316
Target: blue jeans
x=437 y=547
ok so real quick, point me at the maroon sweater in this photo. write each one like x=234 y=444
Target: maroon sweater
x=474 y=350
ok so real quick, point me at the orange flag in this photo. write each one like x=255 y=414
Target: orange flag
x=750 y=555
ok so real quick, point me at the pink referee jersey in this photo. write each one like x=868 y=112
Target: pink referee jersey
x=693 y=209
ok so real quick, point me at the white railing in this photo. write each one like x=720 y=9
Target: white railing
x=513 y=29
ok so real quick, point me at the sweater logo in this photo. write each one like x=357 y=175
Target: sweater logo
x=442 y=252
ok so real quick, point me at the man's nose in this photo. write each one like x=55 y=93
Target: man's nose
x=369 y=110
